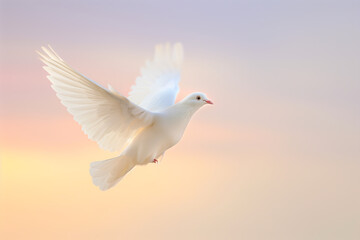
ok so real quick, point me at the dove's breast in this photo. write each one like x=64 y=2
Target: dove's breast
x=166 y=131
x=173 y=124
x=154 y=140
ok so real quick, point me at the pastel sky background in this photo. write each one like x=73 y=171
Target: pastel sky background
x=276 y=157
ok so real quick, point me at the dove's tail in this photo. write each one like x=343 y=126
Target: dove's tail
x=106 y=174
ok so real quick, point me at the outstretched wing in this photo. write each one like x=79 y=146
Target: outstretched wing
x=157 y=87
x=105 y=116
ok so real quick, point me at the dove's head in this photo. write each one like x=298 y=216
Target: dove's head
x=197 y=100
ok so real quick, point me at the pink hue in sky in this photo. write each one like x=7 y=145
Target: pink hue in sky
x=276 y=157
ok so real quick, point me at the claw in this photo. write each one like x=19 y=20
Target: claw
x=155 y=161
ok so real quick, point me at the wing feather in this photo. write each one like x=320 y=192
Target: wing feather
x=106 y=116
x=158 y=85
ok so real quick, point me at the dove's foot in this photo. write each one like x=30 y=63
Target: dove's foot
x=155 y=161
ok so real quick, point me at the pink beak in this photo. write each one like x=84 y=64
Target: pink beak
x=208 y=101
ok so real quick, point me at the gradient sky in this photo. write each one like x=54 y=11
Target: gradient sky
x=276 y=157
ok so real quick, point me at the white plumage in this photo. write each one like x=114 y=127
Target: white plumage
x=143 y=126
x=158 y=85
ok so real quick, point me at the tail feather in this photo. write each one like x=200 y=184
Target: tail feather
x=107 y=173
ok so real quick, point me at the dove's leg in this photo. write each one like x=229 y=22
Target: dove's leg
x=161 y=158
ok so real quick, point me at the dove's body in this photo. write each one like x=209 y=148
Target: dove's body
x=167 y=130
x=144 y=125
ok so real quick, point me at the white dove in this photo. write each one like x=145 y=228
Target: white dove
x=142 y=126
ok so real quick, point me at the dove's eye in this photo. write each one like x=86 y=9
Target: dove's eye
x=198 y=97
